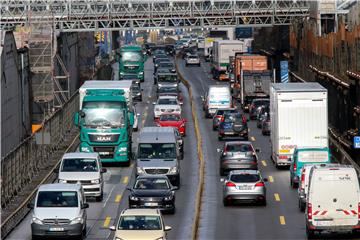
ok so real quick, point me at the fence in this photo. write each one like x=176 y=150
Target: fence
x=39 y=152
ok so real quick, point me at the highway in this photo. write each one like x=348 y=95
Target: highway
x=280 y=219
x=103 y=214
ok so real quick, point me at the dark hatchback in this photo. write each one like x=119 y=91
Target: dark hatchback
x=153 y=192
x=136 y=91
x=233 y=125
x=255 y=104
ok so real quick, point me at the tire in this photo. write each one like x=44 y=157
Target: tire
x=214 y=128
x=246 y=138
x=263 y=202
x=222 y=172
x=310 y=234
x=199 y=65
x=99 y=198
x=84 y=232
x=220 y=138
x=263 y=133
x=226 y=203
x=34 y=237
x=141 y=99
x=172 y=211
x=301 y=206
x=186 y=64
x=177 y=182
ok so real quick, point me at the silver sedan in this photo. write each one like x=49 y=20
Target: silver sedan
x=244 y=186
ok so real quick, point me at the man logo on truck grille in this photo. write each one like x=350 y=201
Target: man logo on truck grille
x=103 y=138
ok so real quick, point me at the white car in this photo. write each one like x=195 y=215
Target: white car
x=192 y=60
x=85 y=169
x=145 y=224
x=166 y=104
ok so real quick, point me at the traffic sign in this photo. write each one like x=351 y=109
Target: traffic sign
x=357 y=142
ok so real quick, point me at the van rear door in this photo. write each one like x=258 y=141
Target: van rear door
x=335 y=198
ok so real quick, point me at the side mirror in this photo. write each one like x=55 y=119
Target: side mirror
x=30 y=205
x=85 y=205
x=112 y=228
x=174 y=188
x=76 y=119
x=154 y=103
x=56 y=170
x=142 y=89
x=167 y=228
x=257 y=149
x=265 y=179
x=129 y=188
x=218 y=150
x=222 y=179
x=103 y=170
x=82 y=114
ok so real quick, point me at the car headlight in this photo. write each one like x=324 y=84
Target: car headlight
x=122 y=149
x=36 y=220
x=173 y=170
x=140 y=170
x=77 y=220
x=134 y=198
x=85 y=149
x=62 y=181
x=168 y=198
x=141 y=73
x=96 y=181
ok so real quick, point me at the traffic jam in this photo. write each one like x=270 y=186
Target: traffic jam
x=294 y=116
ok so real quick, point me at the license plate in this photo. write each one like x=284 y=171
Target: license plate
x=56 y=229
x=244 y=188
x=323 y=223
x=151 y=204
x=104 y=153
x=228 y=133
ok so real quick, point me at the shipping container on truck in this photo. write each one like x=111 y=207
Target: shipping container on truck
x=299 y=118
x=252 y=78
x=222 y=50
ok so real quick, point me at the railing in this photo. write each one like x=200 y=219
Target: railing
x=35 y=157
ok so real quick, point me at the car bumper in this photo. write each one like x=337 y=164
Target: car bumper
x=245 y=197
x=193 y=63
x=62 y=230
x=161 y=205
x=345 y=228
x=92 y=190
x=243 y=134
x=238 y=166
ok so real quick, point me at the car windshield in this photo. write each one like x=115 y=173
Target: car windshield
x=131 y=56
x=167 y=101
x=193 y=57
x=135 y=88
x=129 y=77
x=104 y=117
x=246 y=178
x=167 y=78
x=79 y=165
x=166 y=65
x=152 y=184
x=169 y=117
x=168 y=90
x=239 y=148
x=157 y=150
x=140 y=223
x=57 y=199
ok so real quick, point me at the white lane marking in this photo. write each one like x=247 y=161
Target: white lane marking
x=108 y=197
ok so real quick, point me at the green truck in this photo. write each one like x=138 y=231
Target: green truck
x=131 y=61
x=105 y=124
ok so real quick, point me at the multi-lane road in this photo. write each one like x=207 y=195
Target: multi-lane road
x=280 y=219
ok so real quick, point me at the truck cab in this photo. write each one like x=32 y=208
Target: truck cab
x=132 y=61
x=105 y=126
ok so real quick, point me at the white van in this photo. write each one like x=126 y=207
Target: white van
x=218 y=96
x=333 y=200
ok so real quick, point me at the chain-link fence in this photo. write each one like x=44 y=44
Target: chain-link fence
x=35 y=156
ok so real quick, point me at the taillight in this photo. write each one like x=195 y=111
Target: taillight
x=244 y=120
x=259 y=184
x=222 y=118
x=303 y=178
x=283 y=157
x=309 y=211
x=218 y=117
x=230 y=184
x=294 y=167
x=359 y=211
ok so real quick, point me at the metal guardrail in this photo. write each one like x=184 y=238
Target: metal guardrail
x=23 y=164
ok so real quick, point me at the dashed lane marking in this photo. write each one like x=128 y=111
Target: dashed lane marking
x=264 y=163
x=107 y=222
x=118 y=198
x=125 y=180
x=252 y=138
x=277 y=197
x=271 y=179
x=282 y=220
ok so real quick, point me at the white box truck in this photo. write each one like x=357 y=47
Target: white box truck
x=208 y=46
x=222 y=50
x=299 y=118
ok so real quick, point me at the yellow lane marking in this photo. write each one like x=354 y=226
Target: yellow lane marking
x=277 y=197
x=282 y=220
x=118 y=198
x=125 y=180
x=107 y=222
x=253 y=139
x=271 y=179
x=264 y=163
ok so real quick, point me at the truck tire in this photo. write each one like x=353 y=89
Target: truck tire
x=226 y=202
x=301 y=206
x=310 y=234
x=99 y=198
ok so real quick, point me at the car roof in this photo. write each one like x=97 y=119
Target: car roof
x=80 y=155
x=157 y=135
x=152 y=176
x=167 y=97
x=238 y=143
x=244 y=172
x=138 y=211
x=60 y=187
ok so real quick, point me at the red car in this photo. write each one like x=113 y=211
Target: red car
x=172 y=120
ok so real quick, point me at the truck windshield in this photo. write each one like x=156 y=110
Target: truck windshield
x=157 y=150
x=168 y=90
x=57 y=199
x=131 y=56
x=167 y=78
x=102 y=116
x=79 y=165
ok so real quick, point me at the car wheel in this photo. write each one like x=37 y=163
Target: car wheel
x=222 y=172
x=226 y=202
x=34 y=237
x=301 y=206
x=263 y=133
x=246 y=138
x=100 y=198
x=220 y=138
x=186 y=64
x=141 y=99
x=199 y=65
x=263 y=202
x=84 y=232
x=310 y=234
x=172 y=211
x=214 y=128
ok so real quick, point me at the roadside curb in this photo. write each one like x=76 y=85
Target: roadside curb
x=200 y=189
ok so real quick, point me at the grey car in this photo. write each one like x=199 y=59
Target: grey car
x=219 y=114
x=244 y=186
x=236 y=156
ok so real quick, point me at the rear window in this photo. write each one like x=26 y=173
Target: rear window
x=313 y=156
x=246 y=178
x=239 y=148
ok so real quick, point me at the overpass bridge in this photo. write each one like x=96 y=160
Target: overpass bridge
x=89 y=15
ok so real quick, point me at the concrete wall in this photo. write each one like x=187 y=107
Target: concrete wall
x=15 y=113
